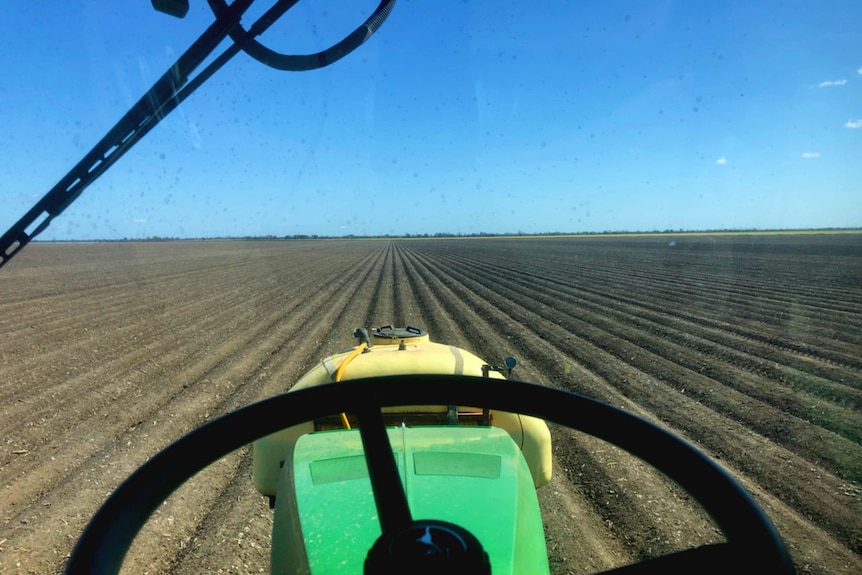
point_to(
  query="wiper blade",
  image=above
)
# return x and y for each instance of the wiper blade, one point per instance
(140, 119)
(168, 92)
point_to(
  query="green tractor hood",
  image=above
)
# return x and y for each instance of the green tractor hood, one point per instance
(476, 477)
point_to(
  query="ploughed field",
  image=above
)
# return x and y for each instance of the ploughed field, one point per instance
(748, 346)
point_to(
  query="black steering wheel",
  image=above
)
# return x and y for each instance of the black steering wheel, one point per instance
(752, 545)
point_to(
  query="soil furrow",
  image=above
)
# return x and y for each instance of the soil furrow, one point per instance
(805, 492)
(180, 332)
(110, 379)
(701, 290)
(713, 303)
(719, 365)
(734, 339)
(653, 300)
(200, 401)
(238, 523)
(589, 460)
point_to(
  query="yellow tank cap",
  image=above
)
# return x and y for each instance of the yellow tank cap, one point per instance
(388, 335)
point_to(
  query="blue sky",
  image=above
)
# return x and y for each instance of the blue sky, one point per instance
(474, 117)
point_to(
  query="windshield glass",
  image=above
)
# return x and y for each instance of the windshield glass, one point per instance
(653, 204)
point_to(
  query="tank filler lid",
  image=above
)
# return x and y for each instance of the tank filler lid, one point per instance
(388, 334)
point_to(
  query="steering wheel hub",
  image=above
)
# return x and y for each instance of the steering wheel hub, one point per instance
(428, 547)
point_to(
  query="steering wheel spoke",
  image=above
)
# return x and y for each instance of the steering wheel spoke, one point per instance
(389, 495)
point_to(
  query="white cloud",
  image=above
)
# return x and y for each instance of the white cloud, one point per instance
(721, 161)
(859, 70)
(831, 83)
(854, 123)
(810, 154)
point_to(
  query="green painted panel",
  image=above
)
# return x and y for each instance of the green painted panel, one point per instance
(475, 477)
(456, 464)
(338, 469)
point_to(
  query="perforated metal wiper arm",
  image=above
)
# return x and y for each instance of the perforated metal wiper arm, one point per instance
(139, 120)
(167, 93)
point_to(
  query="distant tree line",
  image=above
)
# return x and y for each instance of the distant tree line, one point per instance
(271, 237)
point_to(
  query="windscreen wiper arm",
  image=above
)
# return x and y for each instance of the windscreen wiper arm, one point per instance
(168, 92)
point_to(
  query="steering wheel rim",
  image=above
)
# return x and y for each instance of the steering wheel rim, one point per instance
(753, 543)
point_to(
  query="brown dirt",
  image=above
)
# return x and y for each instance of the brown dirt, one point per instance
(747, 346)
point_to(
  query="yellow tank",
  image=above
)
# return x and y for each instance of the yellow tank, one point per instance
(396, 351)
